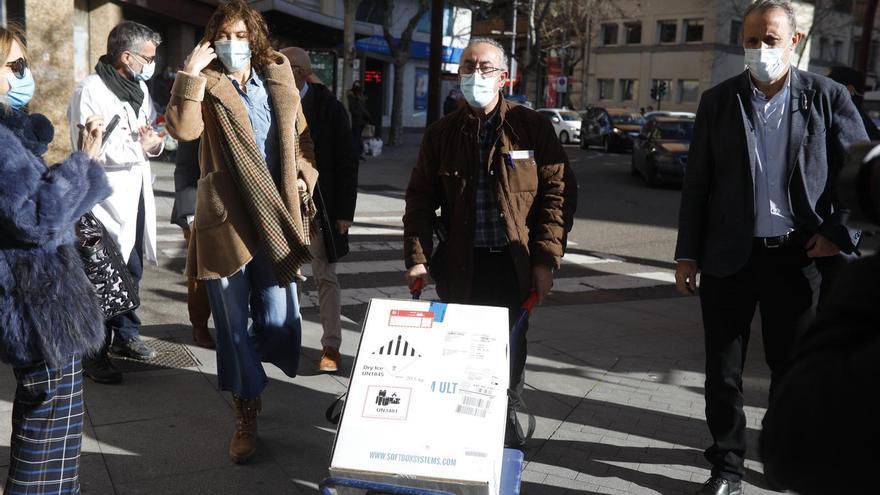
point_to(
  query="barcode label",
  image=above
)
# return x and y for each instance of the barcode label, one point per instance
(473, 406)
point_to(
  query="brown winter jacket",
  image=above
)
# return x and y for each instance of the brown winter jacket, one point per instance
(529, 195)
(224, 238)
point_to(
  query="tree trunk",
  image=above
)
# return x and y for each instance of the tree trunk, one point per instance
(351, 7)
(394, 137)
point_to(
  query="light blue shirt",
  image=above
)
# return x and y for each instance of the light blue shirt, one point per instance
(772, 120)
(260, 112)
(304, 90)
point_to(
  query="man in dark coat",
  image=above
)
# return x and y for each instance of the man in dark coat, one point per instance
(758, 214)
(496, 171)
(186, 178)
(336, 196)
(360, 116)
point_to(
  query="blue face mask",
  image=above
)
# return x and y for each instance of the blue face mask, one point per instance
(146, 72)
(234, 54)
(21, 91)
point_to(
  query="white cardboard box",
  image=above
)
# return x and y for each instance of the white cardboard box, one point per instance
(427, 400)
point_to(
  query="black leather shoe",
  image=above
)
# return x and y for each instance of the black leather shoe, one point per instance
(720, 486)
(101, 370)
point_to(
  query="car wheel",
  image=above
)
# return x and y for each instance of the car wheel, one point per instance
(563, 136)
(606, 144)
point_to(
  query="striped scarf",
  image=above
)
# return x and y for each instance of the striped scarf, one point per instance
(286, 246)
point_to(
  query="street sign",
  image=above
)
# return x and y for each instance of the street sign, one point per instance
(561, 84)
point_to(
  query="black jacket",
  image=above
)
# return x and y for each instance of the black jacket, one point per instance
(335, 159)
(186, 178)
(820, 432)
(717, 216)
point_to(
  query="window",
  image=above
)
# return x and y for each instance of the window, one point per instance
(629, 89)
(693, 30)
(656, 84)
(632, 31)
(872, 56)
(854, 54)
(667, 31)
(824, 48)
(736, 33)
(837, 51)
(609, 34)
(606, 89)
(372, 11)
(688, 91)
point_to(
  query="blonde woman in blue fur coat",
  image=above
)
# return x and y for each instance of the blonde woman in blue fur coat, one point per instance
(49, 314)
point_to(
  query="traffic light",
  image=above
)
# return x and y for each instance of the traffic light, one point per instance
(654, 93)
(661, 92)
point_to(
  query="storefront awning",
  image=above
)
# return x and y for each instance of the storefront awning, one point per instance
(417, 49)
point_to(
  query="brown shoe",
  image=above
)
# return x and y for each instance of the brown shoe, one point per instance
(329, 359)
(244, 441)
(202, 338)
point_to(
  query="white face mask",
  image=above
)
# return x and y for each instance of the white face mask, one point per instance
(765, 64)
(477, 90)
(233, 54)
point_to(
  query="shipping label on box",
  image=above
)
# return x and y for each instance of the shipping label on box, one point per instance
(427, 399)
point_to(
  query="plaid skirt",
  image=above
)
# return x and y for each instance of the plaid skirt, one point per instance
(47, 423)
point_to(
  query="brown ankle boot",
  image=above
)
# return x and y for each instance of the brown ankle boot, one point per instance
(244, 441)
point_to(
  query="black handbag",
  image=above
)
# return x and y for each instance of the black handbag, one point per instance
(105, 267)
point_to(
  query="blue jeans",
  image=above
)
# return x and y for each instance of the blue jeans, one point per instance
(127, 326)
(274, 336)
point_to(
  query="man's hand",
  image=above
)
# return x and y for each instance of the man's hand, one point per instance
(686, 277)
(820, 246)
(343, 225)
(150, 139)
(542, 281)
(199, 58)
(415, 272)
(91, 136)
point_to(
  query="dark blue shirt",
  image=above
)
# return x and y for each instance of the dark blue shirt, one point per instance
(260, 112)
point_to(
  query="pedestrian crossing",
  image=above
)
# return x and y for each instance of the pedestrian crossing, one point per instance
(374, 268)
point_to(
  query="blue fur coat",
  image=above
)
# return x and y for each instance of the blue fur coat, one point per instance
(48, 308)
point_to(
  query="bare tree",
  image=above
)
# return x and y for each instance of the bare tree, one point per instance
(570, 30)
(351, 7)
(399, 55)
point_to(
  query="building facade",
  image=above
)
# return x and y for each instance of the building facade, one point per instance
(66, 37)
(686, 46)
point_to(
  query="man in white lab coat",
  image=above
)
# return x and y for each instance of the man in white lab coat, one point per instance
(118, 89)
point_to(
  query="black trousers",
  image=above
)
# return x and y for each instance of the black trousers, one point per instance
(782, 282)
(495, 284)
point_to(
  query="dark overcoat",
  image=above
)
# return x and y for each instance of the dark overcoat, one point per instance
(335, 159)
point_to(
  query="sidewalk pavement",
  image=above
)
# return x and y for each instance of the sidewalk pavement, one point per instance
(616, 388)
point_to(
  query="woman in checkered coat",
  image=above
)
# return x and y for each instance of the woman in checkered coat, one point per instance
(49, 314)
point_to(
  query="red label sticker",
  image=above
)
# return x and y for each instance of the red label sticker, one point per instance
(411, 319)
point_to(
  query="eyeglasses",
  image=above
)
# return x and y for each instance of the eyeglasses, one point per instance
(485, 70)
(148, 60)
(18, 67)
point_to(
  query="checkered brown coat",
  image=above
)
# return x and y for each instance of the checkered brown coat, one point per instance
(239, 209)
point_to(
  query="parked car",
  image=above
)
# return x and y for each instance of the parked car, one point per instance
(665, 113)
(611, 128)
(660, 151)
(566, 123)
